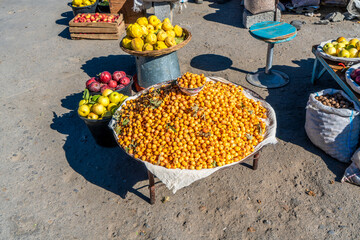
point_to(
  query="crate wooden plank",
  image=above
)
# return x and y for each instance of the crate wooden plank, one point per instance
(100, 36)
(125, 7)
(116, 5)
(97, 24)
(93, 30)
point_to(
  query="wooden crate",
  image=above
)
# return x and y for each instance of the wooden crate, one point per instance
(125, 7)
(97, 30)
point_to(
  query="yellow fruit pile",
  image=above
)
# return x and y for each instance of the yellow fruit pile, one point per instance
(82, 3)
(343, 48)
(100, 106)
(218, 126)
(151, 34)
(191, 80)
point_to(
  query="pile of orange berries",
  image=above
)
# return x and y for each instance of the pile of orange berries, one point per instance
(218, 126)
(191, 80)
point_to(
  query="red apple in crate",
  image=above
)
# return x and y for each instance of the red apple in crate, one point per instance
(112, 84)
(95, 87)
(105, 77)
(355, 73)
(90, 81)
(104, 87)
(125, 81)
(118, 75)
(120, 86)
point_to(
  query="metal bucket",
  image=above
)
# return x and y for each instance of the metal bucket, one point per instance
(153, 70)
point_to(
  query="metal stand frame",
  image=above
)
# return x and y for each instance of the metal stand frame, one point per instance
(152, 181)
(268, 78)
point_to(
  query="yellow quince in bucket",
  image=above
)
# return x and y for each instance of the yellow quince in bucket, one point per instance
(166, 20)
(170, 41)
(137, 44)
(170, 33)
(151, 38)
(161, 35)
(142, 21)
(148, 47)
(126, 42)
(160, 45)
(178, 31)
(167, 26)
(153, 20)
(136, 31)
(158, 27)
(145, 30)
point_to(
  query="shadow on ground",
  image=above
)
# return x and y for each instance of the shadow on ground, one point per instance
(109, 168)
(66, 18)
(111, 64)
(289, 102)
(229, 13)
(213, 63)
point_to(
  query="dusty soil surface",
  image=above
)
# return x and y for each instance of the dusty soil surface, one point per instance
(56, 183)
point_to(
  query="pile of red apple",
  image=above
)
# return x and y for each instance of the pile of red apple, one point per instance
(116, 81)
(97, 17)
(355, 75)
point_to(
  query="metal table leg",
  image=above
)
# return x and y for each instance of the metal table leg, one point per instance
(256, 160)
(313, 76)
(151, 187)
(268, 78)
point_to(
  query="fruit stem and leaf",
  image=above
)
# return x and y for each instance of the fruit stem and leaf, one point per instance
(159, 158)
(249, 137)
(171, 127)
(155, 103)
(118, 130)
(260, 129)
(180, 39)
(195, 110)
(86, 94)
(214, 163)
(125, 121)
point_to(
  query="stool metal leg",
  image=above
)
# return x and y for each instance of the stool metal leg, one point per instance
(269, 58)
(268, 78)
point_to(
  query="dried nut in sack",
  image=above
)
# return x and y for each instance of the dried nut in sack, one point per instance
(336, 101)
(165, 127)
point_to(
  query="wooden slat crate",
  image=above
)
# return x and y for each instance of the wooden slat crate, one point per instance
(97, 30)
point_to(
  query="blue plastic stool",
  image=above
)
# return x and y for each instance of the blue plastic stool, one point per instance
(271, 32)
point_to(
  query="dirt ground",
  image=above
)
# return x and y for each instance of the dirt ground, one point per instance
(56, 183)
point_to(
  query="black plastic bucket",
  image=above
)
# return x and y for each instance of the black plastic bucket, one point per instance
(101, 132)
(103, 9)
(86, 9)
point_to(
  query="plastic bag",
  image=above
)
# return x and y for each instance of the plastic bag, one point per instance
(303, 3)
(354, 7)
(352, 173)
(334, 130)
(175, 179)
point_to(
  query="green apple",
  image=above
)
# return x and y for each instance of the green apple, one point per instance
(82, 102)
(111, 106)
(115, 97)
(98, 109)
(353, 52)
(92, 116)
(344, 53)
(83, 110)
(103, 101)
(331, 51)
(326, 46)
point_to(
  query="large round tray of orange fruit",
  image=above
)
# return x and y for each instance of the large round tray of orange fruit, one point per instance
(220, 126)
(340, 50)
(149, 37)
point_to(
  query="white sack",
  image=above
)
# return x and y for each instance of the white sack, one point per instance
(334, 130)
